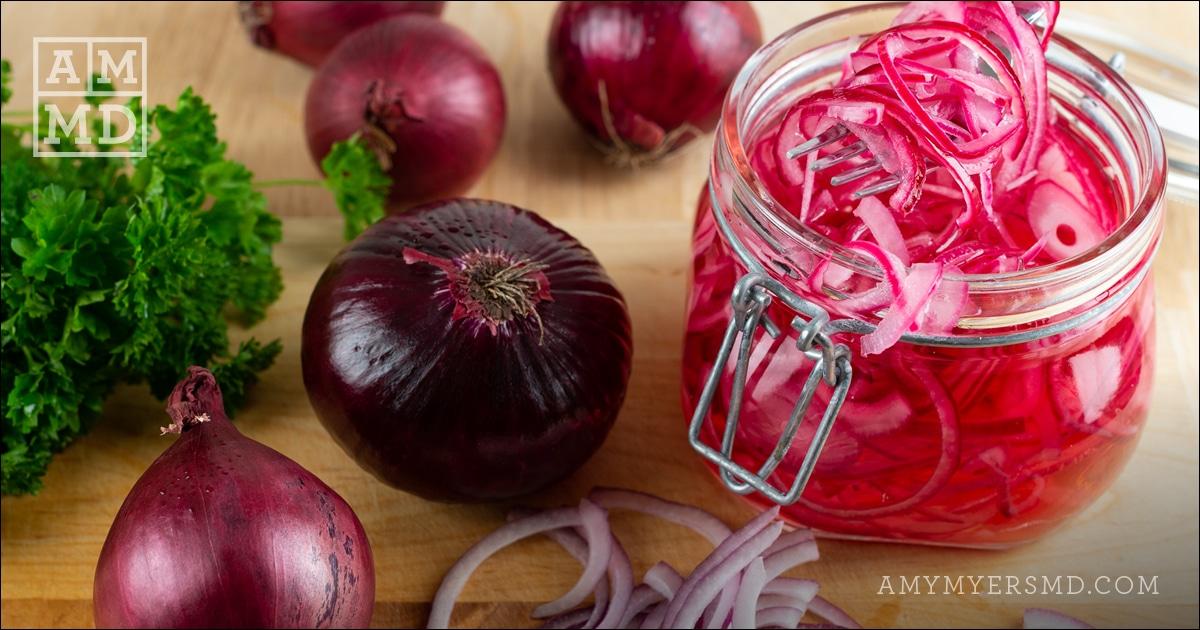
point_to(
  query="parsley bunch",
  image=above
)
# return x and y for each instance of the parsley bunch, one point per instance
(119, 270)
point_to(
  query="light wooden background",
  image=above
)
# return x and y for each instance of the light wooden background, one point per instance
(638, 225)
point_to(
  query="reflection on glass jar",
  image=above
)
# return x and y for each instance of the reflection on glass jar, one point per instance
(989, 436)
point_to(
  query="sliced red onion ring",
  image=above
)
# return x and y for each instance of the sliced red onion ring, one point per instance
(655, 618)
(574, 619)
(781, 617)
(790, 557)
(642, 598)
(796, 588)
(574, 544)
(1046, 619)
(708, 585)
(882, 224)
(726, 548)
(916, 291)
(688, 516)
(594, 520)
(753, 581)
(825, 609)
(767, 600)
(947, 304)
(1068, 225)
(663, 579)
(620, 575)
(456, 578)
(948, 459)
(737, 585)
(717, 613)
(791, 538)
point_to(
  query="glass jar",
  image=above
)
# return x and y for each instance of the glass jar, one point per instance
(988, 436)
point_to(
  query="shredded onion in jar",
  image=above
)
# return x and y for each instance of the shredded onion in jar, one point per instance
(952, 102)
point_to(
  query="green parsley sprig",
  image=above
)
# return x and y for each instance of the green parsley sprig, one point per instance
(117, 270)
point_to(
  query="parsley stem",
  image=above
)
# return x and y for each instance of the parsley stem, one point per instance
(276, 183)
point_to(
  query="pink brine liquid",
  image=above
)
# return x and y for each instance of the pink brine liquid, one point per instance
(984, 447)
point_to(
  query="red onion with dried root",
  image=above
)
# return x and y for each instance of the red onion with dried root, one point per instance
(645, 78)
(224, 532)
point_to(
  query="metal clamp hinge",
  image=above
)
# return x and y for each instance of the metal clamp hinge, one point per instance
(753, 293)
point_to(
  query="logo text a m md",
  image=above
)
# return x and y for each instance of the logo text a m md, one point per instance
(81, 88)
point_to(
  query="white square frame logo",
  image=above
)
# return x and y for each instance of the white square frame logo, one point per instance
(92, 45)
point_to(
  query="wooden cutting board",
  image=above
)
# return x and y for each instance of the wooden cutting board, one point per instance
(638, 225)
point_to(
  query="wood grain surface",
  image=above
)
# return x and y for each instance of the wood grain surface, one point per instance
(638, 225)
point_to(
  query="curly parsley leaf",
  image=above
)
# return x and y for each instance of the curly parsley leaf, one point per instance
(237, 373)
(121, 270)
(359, 185)
(5, 79)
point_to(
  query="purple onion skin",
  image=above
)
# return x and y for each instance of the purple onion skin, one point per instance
(307, 31)
(224, 532)
(664, 66)
(432, 400)
(422, 93)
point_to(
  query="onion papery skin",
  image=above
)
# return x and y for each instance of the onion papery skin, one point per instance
(224, 532)
(663, 68)
(422, 94)
(307, 31)
(434, 399)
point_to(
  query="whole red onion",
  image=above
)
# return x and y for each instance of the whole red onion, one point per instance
(223, 532)
(644, 78)
(466, 350)
(306, 31)
(422, 94)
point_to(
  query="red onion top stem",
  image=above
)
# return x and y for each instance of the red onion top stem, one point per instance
(467, 350)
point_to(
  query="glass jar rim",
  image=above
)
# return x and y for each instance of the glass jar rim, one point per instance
(1143, 215)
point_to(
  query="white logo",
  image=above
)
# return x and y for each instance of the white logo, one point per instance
(69, 75)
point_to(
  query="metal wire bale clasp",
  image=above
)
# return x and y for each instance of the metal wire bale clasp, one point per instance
(752, 295)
